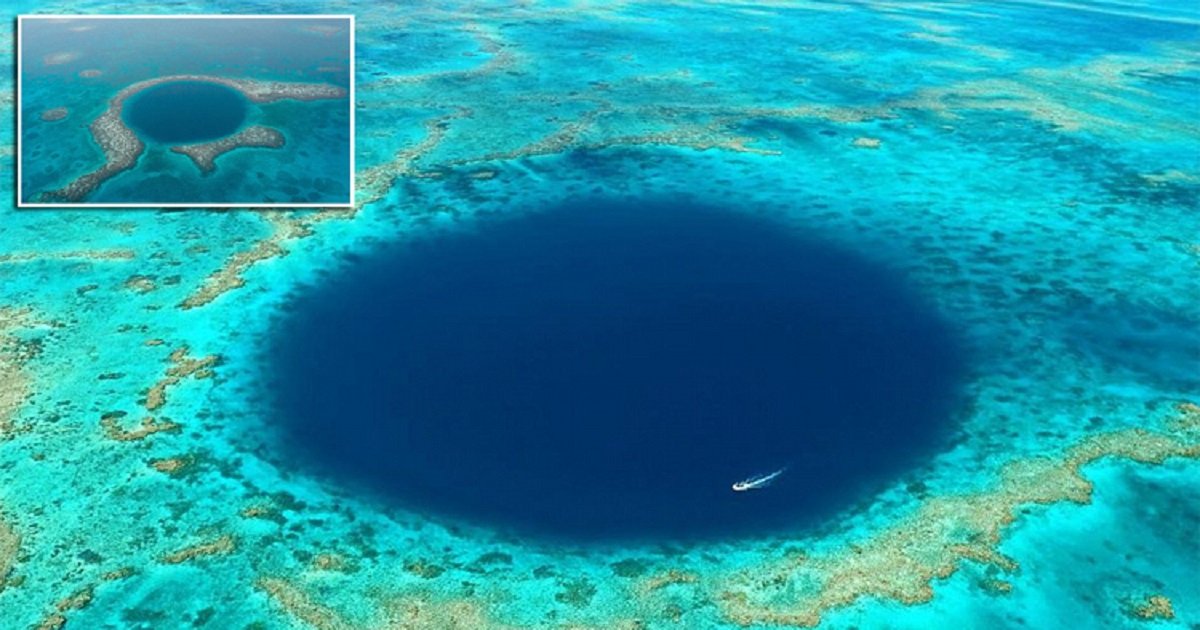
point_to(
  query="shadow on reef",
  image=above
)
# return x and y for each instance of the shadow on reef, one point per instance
(1145, 339)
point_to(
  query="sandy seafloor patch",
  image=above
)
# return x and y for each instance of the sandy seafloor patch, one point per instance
(1036, 175)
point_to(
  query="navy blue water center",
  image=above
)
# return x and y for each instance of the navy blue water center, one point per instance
(607, 370)
(185, 111)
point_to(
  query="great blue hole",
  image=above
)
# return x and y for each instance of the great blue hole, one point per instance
(185, 111)
(607, 370)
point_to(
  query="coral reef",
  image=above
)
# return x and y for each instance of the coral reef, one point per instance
(122, 147)
(205, 154)
(1033, 170)
(1151, 607)
(901, 562)
(10, 544)
(14, 382)
(182, 366)
(217, 547)
(51, 115)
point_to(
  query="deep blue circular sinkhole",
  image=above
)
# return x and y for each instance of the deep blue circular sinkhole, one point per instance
(185, 111)
(606, 371)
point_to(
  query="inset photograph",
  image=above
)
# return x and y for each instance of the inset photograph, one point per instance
(185, 111)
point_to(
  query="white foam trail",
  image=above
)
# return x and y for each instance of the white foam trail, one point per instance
(754, 483)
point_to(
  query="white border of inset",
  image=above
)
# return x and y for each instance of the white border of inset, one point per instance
(51, 16)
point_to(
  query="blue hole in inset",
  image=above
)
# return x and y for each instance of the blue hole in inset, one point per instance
(607, 370)
(185, 111)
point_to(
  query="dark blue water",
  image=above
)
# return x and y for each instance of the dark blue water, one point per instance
(185, 111)
(607, 370)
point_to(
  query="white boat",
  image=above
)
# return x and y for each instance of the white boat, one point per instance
(754, 483)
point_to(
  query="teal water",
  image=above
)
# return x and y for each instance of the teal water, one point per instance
(1029, 170)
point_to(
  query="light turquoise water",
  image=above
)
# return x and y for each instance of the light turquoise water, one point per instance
(1033, 168)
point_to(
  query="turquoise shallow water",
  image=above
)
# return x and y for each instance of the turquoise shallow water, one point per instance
(1032, 169)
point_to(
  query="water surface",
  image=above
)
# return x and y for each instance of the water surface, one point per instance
(608, 370)
(185, 111)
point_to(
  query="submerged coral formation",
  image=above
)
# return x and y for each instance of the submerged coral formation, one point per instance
(901, 563)
(14, 353)
(1029, 167)
(1151, 608)
(9, 545)
(284, 228)
(51, 115)
(182, 366)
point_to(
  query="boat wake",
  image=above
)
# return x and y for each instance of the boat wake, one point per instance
(757, 482)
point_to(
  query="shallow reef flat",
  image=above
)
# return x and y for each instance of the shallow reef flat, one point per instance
(205, 154)
(1032, 169)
